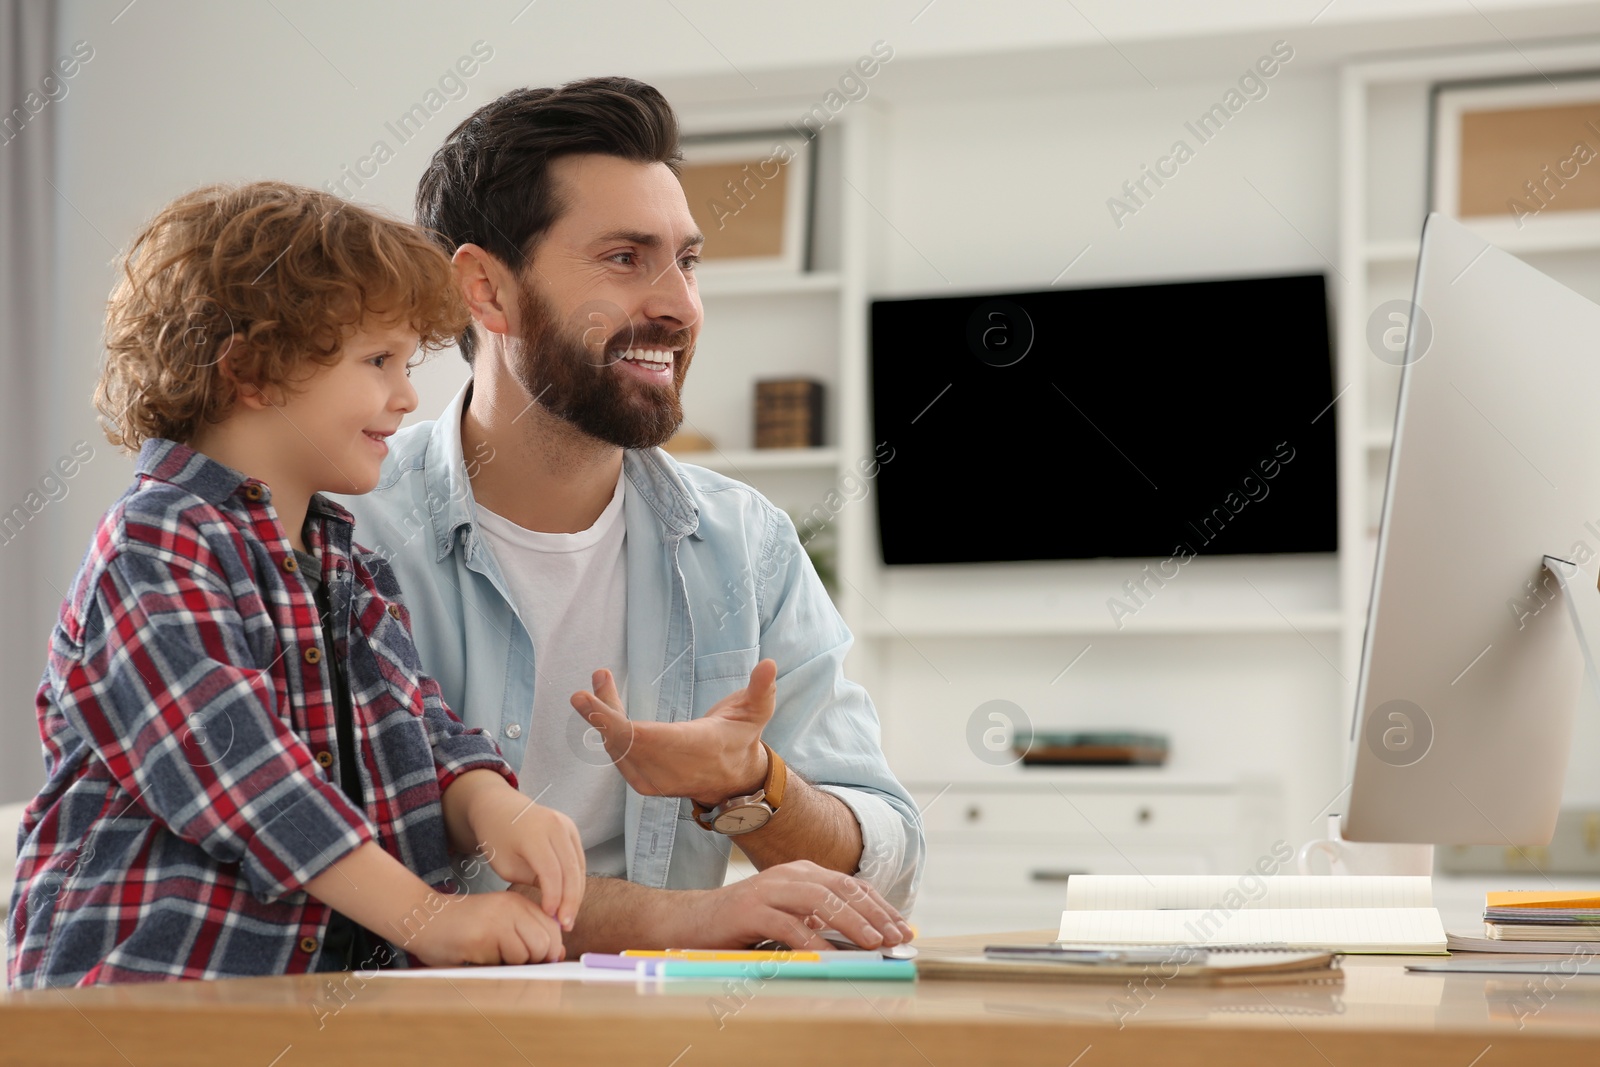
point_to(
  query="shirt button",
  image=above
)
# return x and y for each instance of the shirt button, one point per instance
(313, 655)
(290, 563)
(394, 610)
(325, 759)
(308, 944)
(252, 492)
(514, 731)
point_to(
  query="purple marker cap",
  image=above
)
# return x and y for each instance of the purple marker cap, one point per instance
(610, 962)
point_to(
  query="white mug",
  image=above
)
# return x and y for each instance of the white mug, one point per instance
(1364, 857)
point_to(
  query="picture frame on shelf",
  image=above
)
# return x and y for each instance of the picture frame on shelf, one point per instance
(751, 194)
(1518, 160)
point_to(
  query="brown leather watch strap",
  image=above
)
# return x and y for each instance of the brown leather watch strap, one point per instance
(777, 777)
(771, 792)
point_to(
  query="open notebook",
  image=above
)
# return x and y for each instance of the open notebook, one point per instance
(1339, 913)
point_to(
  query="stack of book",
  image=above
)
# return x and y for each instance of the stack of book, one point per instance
(1541, 916)
(1096, 748)
(789, 413)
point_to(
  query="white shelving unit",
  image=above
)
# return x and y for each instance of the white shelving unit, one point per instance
(740, 460)
(767, 324)
(1238, 651)
(960, 629)
(1001, 854)
(1384, 148)
(728, 285)
(1198, 626)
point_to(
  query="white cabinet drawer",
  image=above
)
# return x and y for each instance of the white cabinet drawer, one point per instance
(1043, 867)
(940, 915)
(1122, 817)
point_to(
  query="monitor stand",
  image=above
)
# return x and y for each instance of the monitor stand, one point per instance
(1583, 606)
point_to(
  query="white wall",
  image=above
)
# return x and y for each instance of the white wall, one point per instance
(1007, 191)
(998, 169)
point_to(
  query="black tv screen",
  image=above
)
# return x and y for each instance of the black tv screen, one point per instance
(1132, 421)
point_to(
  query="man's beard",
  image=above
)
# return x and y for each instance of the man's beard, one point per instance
(580, 386)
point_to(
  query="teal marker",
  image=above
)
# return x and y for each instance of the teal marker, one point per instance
(865, 970)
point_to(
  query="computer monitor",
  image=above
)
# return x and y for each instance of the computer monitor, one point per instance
(1473, 661)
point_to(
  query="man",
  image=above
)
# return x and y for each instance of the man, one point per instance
(570, 583)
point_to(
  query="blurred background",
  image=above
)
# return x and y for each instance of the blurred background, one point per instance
(994, 148)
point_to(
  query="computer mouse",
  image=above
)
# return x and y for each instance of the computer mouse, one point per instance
(902, 951)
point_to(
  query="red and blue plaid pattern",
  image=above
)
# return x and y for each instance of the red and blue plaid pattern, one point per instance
(188, 720)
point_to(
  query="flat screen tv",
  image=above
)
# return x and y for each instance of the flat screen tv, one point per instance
(1187, 418)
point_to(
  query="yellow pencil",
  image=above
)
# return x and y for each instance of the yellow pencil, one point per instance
(724, 955)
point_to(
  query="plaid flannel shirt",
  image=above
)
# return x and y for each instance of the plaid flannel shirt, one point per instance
(188, 721)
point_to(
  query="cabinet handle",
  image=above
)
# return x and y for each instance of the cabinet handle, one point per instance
(1052, 876)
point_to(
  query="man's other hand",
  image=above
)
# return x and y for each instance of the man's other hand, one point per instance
(790, 903)
(708, 759)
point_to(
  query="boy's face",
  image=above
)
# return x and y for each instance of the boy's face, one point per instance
(338, 419)
(609, 311)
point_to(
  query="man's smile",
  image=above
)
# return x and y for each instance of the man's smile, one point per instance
(648, 364)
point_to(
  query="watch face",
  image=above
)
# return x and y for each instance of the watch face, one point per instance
(742, 820)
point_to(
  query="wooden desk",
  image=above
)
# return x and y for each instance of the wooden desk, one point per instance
(1380, 1015)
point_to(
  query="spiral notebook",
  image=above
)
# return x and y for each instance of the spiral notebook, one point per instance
(1335, 913)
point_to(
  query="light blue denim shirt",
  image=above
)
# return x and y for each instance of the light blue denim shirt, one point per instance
(717, 580)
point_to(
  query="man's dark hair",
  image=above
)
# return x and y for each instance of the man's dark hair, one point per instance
(489, 183)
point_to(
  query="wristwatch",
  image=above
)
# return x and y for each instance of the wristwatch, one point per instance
(741, 815)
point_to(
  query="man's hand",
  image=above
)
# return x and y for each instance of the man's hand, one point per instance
(720, 755)
(708, 759)
(789, 903)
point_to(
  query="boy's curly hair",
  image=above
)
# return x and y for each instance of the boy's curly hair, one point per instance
(269, 277)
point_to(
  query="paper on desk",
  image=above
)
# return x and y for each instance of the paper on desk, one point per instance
(1117, 892)
(566, 971)
(1559, 968)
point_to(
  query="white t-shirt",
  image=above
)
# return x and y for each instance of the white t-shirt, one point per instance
(571, 592)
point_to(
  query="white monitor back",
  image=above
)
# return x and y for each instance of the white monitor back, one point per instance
(1471, 669)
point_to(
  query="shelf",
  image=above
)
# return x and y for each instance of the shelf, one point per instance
(1552, 244)
(967, 626)
(1119, 779)
(759, 284)
(1391, 251)
(1545, 238)
(735, 461)
(1552, 235)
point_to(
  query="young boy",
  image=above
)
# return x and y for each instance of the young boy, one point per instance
(247, 771)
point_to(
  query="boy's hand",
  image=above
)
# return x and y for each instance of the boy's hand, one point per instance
(488, 928)
(532, 845)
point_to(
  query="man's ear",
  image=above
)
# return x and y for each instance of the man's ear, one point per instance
(488, 288)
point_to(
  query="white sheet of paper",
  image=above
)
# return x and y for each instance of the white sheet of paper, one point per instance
(566, 971)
